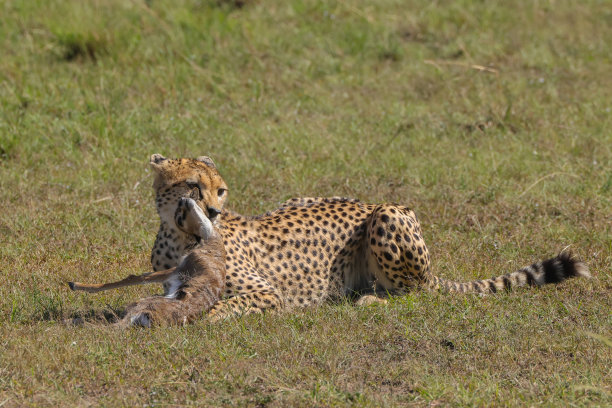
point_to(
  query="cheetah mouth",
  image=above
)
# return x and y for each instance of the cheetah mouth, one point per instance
(211, 213)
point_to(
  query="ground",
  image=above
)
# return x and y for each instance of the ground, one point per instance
(491, 120)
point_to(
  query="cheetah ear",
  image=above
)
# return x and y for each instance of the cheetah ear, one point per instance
(157, 161)
(207, 160)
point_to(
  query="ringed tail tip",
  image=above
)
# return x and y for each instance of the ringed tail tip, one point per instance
(573, 266)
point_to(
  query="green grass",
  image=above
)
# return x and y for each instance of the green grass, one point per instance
(384, 101)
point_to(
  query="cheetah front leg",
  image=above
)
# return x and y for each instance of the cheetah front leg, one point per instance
(252, 294)
(248, 303)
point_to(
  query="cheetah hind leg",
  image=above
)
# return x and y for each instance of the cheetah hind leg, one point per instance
(398, 258)
(401, 260)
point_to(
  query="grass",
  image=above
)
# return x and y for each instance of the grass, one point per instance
(491, 119)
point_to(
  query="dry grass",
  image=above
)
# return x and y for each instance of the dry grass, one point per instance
(491, 120)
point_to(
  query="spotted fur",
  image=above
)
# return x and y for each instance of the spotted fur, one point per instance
(310, 250)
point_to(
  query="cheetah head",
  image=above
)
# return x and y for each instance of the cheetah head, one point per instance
(196, 178)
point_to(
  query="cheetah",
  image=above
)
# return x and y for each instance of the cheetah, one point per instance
(310, 250)
(191, 288)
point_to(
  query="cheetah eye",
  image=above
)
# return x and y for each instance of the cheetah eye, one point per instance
(221, 191)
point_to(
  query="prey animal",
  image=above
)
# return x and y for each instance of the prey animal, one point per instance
(191, 288)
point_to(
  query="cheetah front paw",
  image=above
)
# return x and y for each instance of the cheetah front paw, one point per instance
(367, 300)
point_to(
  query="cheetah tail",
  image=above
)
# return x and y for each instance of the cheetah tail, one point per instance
(554, 270)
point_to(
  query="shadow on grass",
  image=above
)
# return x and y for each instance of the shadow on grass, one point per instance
(38, 306)
(105, 316)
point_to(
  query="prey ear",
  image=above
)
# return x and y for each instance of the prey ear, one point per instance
(207, 160)
(157, 161)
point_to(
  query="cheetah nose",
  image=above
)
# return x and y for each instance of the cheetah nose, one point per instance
(213, 212)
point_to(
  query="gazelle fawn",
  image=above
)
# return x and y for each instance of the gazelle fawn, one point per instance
(191, 288)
